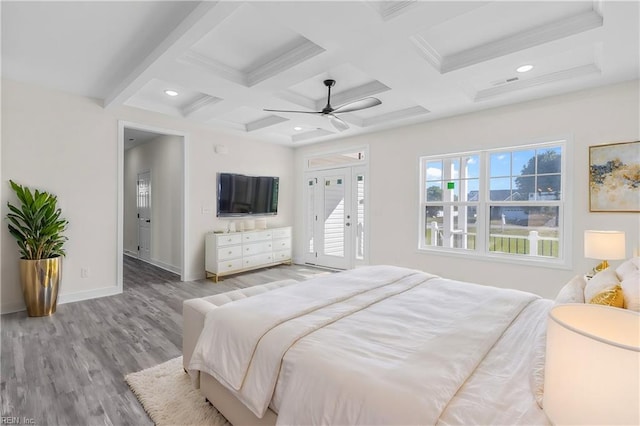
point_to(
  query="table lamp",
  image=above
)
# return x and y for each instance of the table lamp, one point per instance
(592, 370)
(604, 246)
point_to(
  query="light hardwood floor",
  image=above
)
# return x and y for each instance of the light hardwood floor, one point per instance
(69, 368)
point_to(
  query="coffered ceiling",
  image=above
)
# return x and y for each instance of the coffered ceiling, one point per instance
(230, 60)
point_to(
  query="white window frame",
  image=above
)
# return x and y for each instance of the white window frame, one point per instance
(484, 204)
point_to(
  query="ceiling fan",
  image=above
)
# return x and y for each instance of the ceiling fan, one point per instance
(330, 112)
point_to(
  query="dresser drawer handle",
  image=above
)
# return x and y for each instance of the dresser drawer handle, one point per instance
(229, 265)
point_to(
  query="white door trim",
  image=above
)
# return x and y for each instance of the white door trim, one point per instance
(357, 166)
(120, 202)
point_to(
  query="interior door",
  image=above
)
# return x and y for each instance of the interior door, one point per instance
(330, 225)
(144, 215)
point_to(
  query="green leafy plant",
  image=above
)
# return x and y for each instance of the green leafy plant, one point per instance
(37, 225)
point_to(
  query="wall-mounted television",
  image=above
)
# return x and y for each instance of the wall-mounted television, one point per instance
(242, 195)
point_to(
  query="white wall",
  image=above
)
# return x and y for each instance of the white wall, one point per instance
(162, 156)
(67, 144)
(591, 117)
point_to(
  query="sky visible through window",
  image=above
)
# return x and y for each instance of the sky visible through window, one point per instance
(504, 167)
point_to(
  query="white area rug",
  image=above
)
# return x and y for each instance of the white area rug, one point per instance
(167, 395)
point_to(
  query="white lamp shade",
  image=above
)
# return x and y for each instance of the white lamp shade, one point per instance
(592, 369)
(604, 245)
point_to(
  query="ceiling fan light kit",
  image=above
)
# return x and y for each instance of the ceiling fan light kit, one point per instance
(330, 112)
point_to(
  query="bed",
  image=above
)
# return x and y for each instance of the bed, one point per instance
(375, 345)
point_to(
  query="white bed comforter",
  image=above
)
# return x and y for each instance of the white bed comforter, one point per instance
(376, 345)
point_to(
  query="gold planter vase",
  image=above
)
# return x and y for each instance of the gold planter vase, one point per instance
(40, 281)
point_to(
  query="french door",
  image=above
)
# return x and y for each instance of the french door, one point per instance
(335, 217)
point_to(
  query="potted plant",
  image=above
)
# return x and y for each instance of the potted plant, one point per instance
(37, 227)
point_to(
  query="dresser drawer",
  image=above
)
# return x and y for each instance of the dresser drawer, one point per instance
(282, 244)
(229, 252)
(257, 260)
(228, 239)
(281, 255)
(257, 236)
(229, 265)
(257, 248)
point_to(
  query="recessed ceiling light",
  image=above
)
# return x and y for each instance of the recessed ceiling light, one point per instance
(297, 128)
(524, 68)
(171, 92)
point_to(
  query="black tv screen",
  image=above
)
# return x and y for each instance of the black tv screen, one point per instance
(241, 195)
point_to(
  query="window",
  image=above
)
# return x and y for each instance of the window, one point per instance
(506, 202)
(337, 159)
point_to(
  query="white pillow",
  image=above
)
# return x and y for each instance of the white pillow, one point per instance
(627, 267)
(573, 291)
(601, 281)
(631, 291)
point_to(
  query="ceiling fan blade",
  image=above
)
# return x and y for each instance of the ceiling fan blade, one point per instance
(300, 112)
(338, 123)
(358, 105)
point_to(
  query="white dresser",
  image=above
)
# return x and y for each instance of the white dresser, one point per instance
(230, 253)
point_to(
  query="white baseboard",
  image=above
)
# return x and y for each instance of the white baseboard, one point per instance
(166, 266)
(196, 277)
(90, 294)
(12, 307)
(154, 262)
(66, 298)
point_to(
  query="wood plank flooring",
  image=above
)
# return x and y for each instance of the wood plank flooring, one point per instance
(68, 369)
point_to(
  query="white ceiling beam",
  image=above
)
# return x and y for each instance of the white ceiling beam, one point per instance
(206, 16)
(554, 77)
(198, 104)
(542, 34)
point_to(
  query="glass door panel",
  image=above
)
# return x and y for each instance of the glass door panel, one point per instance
(310, 217)
(359, 222)
(334, 216)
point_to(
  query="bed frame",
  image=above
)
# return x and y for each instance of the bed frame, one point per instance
(194, 312)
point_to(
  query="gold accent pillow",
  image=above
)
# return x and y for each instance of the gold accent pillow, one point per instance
(611, 296)
(599, 283)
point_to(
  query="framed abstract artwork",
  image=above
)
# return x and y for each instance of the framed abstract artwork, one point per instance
(614, 177)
